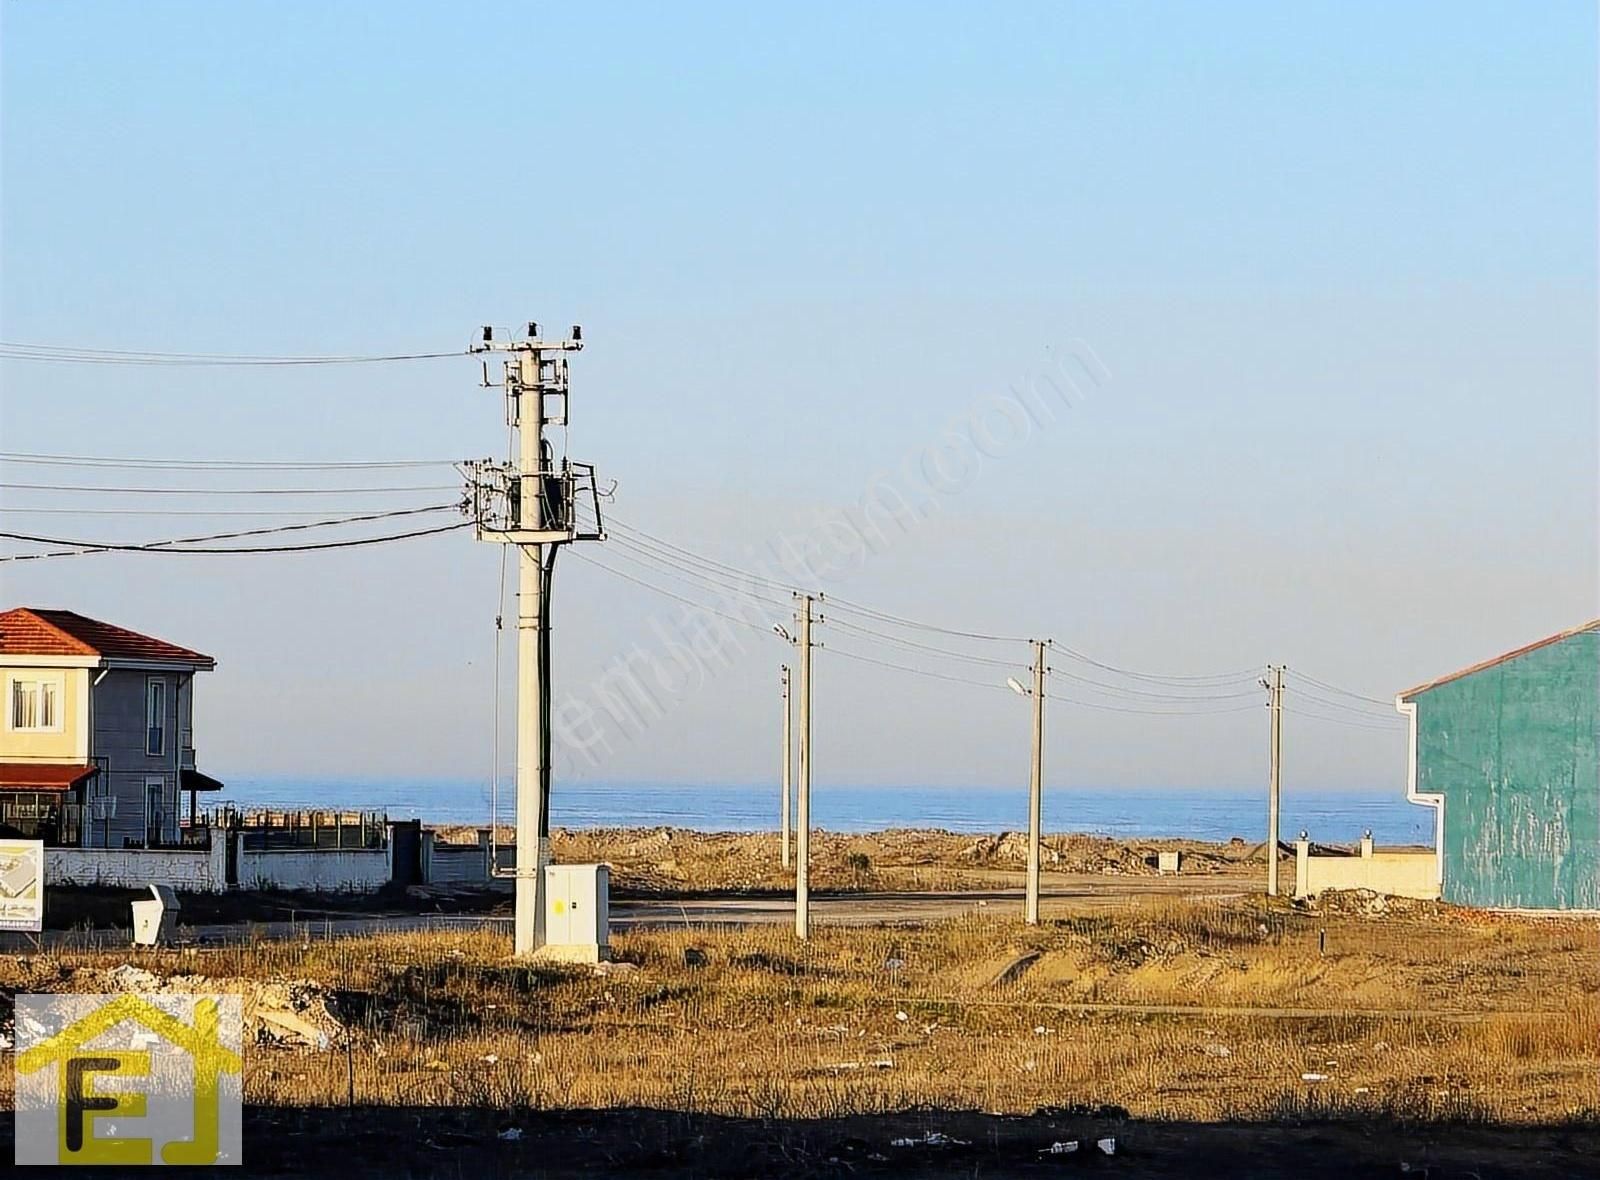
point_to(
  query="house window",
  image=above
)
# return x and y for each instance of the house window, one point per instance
(35, 704)
(155, 741)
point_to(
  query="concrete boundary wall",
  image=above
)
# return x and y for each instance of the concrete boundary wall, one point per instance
(204, 870)
(455, 864)
(1396, 872)
(195, 870)
(321, 870)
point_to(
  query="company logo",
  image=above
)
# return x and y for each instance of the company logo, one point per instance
(127, 1079)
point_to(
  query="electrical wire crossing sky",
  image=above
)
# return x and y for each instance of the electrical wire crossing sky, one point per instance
(1193, 343)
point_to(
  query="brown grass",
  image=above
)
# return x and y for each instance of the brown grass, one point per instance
(1419, 1018)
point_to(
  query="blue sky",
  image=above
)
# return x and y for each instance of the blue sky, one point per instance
(1338, 262)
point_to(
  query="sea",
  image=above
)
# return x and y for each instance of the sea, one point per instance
(1335, 817)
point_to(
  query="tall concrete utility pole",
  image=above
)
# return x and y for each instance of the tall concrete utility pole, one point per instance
(532, 503)
(1030, 913)
(802, 869)
(788, 760)
(1274, 689)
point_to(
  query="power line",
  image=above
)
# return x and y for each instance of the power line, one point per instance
(865, 659)
(837, 605)
(62, 354)
(851, 655)
(1364, 712)
(885, 617)
(655, 558)
(1211, 678)
(668, 593)
(1349, 722)
(929, 673)
(80, 548)
(692, 577)
(647, 540)
(149, 491)
(684, 574)
(687, 575)
(1196, 694)
(7, 510)
(1323, 684)
(103, 547)
(96, 461)
(913, 645)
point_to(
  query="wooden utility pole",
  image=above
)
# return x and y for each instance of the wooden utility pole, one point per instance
(1030, 913)
(788, 760)
(802, 866)
(1274, 689)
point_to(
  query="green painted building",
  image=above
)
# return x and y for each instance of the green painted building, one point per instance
(1508, 753)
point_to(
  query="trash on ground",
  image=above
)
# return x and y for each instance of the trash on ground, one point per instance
(931, 1139)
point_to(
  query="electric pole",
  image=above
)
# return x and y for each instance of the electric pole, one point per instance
(1030, 912)
(788, 760)
(802, 870)
(1274, 689)
(531, 502)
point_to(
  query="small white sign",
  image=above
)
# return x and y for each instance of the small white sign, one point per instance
(22, 885)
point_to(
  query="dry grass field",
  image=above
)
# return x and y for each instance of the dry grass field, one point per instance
(1173, 1010)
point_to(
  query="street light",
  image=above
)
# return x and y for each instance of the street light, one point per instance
(1017, 686)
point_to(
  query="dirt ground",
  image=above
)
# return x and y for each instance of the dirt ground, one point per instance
(675, 863)
(1202, 1036)
(662, 862)
(1201, 1027)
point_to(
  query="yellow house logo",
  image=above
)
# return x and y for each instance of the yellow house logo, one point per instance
(127, 1079)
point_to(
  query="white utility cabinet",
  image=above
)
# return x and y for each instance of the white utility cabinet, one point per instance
(577, 912)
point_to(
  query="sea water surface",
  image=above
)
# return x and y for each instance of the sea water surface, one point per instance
(1330, 816)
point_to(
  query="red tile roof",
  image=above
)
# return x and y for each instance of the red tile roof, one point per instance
(1591, 625)
(42, 776)
(29, 631)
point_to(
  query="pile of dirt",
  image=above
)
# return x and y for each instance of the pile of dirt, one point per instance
(667, 861)
(1367, 903)
(297, 1013)
(1084, 854)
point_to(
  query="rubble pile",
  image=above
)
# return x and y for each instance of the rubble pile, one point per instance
(296, 1013)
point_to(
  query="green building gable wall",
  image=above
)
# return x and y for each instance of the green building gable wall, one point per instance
(1515, 750)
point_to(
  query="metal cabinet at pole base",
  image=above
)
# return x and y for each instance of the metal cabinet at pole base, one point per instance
(577, 917)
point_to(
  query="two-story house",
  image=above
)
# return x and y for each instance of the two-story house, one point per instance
(97, 744)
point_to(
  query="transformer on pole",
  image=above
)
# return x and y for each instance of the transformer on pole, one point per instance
(532, 501)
